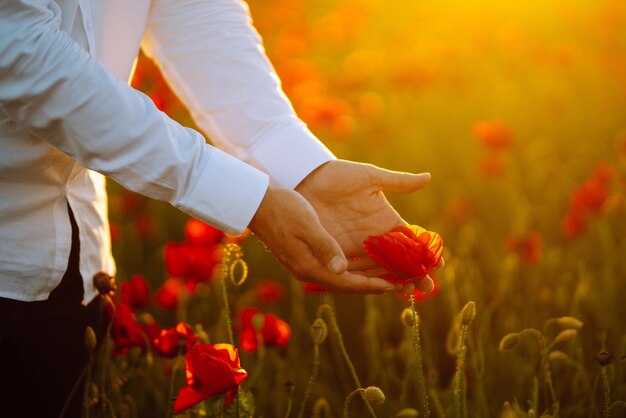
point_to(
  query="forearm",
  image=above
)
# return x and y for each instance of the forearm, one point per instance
(215, 61)
(55, 90)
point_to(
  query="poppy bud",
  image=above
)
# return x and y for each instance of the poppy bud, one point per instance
(510, 341)
(201, 333)
(90, 339)
(104, 283)
(604, 358)
(565, 336)
(374, 395)
(558, 355)
(407, 317)
(321, 408)
(258, 320)
(290, 386)
(468, 313)
(407, 413)
(569, 322)
(319, 331)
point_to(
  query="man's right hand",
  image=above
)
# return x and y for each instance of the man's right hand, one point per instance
(290, 228)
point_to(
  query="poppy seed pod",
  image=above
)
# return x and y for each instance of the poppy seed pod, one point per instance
(569, 322)
(565, 336)
(510, 341)
(604, 358)
(90, 339)
(104, 283)
(407, 317)
(468, 313)
(319, 331)
(374, 395)
(290, 386)
(407, 413)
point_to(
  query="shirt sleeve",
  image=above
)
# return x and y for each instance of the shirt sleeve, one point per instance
(214, 59)
(53, 88)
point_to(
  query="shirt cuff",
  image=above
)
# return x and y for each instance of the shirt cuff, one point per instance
(290, 154)
(227, 194)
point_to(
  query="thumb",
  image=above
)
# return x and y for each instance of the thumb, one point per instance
(326, 249)
(397, 181)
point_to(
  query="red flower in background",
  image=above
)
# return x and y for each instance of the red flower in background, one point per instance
(269, 291)
(149, 326)
(168, 294)
(274, 331)
(199, 233)
(210, 370)
(587, 200)
(529, 247)
(191, 262)
(491, 165)
(125, 331)
(408, 252)
(493, 134)
(135, 292)
(170, 341)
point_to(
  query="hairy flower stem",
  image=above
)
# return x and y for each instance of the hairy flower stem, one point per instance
(459, 377)
(169, 410)
(312, 380)
(289, 405)
(335, 327)
(106, 355)
(229, 329)
(418, 360)
(607, 392)
(87, 386)
(73, 391)
(346, 404)
(545, 372)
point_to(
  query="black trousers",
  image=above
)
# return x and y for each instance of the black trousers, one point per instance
(42, 350)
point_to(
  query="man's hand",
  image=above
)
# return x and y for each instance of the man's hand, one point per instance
(348, 198)
(291, 229)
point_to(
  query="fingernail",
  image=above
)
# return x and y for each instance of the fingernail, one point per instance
(338, 264)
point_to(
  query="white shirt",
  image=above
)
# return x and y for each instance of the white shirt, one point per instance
(66, 109)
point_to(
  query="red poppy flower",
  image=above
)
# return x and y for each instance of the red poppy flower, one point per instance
(199, 233)
(491, 166)
(493, 134)
(171, 340)
(168, 294)
(408, 252)
(125, 331)
(269, 291)
(274, 331)
(210, 370)
(191, 262)
(135, 292)
(527, 247)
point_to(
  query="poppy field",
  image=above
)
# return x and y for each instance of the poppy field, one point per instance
(518, 109)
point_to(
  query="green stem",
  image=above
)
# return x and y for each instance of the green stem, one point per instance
(87, 384)
(606, 388)
(333, 324)
(289, 405)
(73, 391)
(545, 372)
(172, 380)
(312, 380)
(459, 375)
(418, 359)
(346, 404)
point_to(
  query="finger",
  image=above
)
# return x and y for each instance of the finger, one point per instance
(361, 264)
(426, 284)
(407, 288)
(441, 263)
(349, 282)
(377, 272)
(396, 181)
(325, 248)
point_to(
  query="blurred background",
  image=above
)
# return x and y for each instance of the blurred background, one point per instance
(518, 109)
